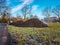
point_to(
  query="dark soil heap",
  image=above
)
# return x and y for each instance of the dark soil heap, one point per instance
(34, 22)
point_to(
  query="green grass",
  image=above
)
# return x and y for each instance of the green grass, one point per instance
(53, 29)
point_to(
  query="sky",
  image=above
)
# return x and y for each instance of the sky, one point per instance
(37, 5)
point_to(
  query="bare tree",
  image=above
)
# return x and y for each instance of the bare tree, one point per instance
(5, 14)
(2, 6)
(4, 10)
(31, 16)
(47, 12)
(26, 11)
(56, 11)
(30, 10)
(35, 16)
(5, 17)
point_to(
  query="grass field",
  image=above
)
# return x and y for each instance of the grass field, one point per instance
(52, 31)
(51, 27)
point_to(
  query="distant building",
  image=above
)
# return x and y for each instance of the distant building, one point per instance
(50, 19)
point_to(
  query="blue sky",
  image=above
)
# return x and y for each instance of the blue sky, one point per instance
(38, 6)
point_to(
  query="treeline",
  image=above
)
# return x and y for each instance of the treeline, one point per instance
(53, 12)
(48, 12)
(33, 21)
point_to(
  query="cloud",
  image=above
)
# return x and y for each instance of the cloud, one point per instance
(20, 6)
(35, 7)
(8, 2)
(37, 11)
(22, 0)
